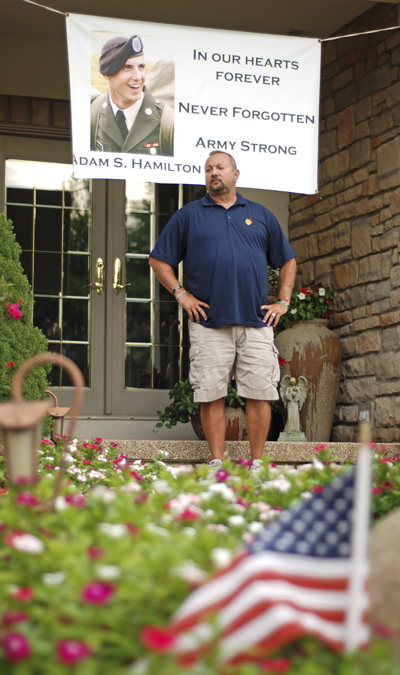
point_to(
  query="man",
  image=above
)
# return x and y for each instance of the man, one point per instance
(226, 242)
(128, 118)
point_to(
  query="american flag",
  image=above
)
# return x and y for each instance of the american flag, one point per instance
(294, 579)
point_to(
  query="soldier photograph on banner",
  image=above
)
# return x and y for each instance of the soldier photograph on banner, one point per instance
(132, 97)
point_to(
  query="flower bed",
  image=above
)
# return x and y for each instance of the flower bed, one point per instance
(90, 587)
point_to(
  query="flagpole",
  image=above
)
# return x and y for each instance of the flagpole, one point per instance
(359, 546)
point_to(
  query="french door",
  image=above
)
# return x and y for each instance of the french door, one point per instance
(85, 249)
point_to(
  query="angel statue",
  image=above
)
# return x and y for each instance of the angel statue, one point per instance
(293, 396)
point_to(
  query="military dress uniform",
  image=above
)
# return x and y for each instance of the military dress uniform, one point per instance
(151, 133)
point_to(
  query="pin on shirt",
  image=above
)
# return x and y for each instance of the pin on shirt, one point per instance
(153, 147)
(248, 221)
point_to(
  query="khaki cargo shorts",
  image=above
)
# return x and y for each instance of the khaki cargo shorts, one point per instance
(246, 351)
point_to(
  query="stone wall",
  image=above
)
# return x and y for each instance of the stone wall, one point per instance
(348, 236)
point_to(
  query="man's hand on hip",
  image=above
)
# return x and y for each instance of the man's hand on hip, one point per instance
(273, 313)
(193, 307)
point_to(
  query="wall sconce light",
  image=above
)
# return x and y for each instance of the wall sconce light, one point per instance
(57, 414)
(21, 420)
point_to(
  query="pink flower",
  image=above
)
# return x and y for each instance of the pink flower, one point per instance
(136, 475)
(385, 460)
(70, 652)
(75, 500)
(48, 466)
(319, 448)
(114, 445)
(376, 491)
(95, 552)
(158, 639)
(14, 616)
(22, 593)
(27, 499)
(98, 440)
(279, 665)
(221, 475)
(15, 312)
(16, 647)
(93, 446)
(97, 592)
(244, 462)
(9, 364)
(85, 445)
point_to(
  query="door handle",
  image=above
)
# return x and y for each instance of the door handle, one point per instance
(99, 283)
(117, 276)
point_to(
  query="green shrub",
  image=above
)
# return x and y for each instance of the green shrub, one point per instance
(19, 339)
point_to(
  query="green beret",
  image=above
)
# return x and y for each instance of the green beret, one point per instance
(117, 51)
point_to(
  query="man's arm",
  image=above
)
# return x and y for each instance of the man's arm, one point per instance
(166, 277)
(287, 276)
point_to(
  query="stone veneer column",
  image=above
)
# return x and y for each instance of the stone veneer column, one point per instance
(348, 237)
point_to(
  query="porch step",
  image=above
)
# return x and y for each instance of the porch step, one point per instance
(197, 452)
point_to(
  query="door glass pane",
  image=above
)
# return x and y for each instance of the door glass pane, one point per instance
(50, 210)
(156, 339)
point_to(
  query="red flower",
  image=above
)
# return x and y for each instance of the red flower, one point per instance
(308, 292)
(93, 446)
(98, 440)
(388, 485)
(376, 491)
(187, 514)
(134, 531)
(279, 665)
(319, 448)
(9, 364)
(16, 647)
(303, 290)
(27, 499)
(23, 593)
(15, 312)
(158, 639)
(14, 616)
(281, 361)
(317, 488)
(97, 592)
(70, 652)
(95, 552)
(136, 475)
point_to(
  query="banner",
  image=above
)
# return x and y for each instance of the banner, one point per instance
(187, 91)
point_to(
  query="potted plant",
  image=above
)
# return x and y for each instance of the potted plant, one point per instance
(183, 409)
(312, 350)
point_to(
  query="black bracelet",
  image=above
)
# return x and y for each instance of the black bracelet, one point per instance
(283, 302)
(176, 289)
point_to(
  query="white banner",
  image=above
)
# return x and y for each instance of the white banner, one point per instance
(254, 96)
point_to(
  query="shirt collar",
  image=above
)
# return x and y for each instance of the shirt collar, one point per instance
(130, 113)
(209, 201)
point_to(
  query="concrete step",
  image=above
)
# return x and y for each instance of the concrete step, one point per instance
(198, 452)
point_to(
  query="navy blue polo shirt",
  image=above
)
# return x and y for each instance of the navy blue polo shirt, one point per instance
(225, 254)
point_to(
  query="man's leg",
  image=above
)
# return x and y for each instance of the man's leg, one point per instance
(258, 418)
(213, 420)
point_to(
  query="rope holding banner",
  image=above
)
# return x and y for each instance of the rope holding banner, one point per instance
(44, 7)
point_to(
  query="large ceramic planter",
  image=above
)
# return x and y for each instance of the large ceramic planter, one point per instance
(311, 349)
(236, 429)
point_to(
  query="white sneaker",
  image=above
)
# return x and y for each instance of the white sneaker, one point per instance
(255, 470)
(214, 466)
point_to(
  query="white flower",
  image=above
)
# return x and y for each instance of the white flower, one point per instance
(301, 296)
(183, 501)
(154, 529)
(103, 493)
(53, 578)
(139, 667)
(238, 507)
(180, 470)
(280, 484)
(304, 467)
(248, 537)
(293, 311)
(27, 543)
(217, 527)
(221, 556)
(306, 495)
(190, 572)
(236, 521)
(209, 513)
(166, 518)
(222, 489)
(50, 459)
(101, 458)
(82, 478)
(162, 487)
(263, 507)
(255, 527)
(60, 504)
(321, 291)
(190, 531)
(269, 515)
(132, 486)
(108, 571)
(317, 465)
(164, 453)
(113, 530)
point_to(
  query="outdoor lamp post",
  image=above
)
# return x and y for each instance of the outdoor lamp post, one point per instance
(20, 421)
(57, 414)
